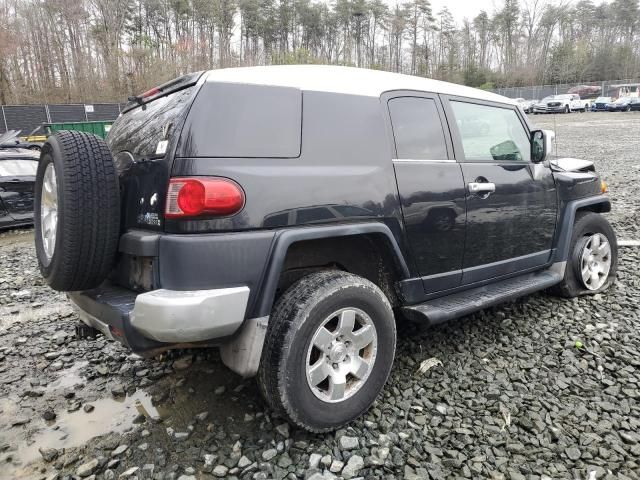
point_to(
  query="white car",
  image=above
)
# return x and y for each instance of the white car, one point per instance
(566, 103)
(526, 105)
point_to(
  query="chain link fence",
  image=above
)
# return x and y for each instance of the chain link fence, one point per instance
(28, 118)
(607, 88)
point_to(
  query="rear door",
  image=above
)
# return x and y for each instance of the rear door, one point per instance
(141, 141)
(431, 188)
(511, 202)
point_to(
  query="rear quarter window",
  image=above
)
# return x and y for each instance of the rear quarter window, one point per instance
(240, 120)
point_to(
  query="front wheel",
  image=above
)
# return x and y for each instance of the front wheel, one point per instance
(329, 349)
(566, 109)
(593, 261)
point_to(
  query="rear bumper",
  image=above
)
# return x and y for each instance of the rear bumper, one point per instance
(161, 318)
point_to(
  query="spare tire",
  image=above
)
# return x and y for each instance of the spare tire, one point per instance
(77, 211)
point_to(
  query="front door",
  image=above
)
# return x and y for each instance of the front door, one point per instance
(431, 188)
(511, 202)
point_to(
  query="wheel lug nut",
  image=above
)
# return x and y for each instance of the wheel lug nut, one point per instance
(335, 365)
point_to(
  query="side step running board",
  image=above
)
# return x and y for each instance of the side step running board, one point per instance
(462, 303)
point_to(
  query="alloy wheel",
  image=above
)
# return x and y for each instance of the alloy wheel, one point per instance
(341, 355)
(595, 261)
(49, 211)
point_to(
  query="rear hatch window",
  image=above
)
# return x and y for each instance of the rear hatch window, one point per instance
(140, 129)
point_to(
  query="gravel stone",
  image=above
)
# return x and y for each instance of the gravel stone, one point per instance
(349, 443)
(269, 454)
(353, 466)
(119, 450)
(88, 468)
(220, 471)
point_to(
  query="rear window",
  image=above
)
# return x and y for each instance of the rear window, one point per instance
(18, 168)
(141, 129)
(239, 120)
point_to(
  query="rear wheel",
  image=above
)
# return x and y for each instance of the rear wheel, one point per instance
(566, 109)
(593, 262)
(329, 350)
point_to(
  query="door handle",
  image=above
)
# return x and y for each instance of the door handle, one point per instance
(481, 187)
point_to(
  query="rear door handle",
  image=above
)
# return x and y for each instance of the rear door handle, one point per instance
(484, 187)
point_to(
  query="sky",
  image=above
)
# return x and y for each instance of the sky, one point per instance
(463, 8)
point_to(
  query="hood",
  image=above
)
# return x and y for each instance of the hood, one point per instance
(572, 165)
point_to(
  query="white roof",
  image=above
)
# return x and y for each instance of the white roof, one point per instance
(347, 80)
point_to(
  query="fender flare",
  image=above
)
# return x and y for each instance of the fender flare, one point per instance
(599, 203)
(285, 238)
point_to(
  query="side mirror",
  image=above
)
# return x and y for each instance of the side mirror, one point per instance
(541, 145)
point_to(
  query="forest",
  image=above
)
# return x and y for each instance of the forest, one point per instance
(106, 50)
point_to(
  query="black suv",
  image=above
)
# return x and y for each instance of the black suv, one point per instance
(283, 213)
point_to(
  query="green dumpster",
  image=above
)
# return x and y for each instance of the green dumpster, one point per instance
(99, 128)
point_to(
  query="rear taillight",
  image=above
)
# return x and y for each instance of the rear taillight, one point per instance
(191, 197)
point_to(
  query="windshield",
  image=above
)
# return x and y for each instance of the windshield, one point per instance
(603, 99)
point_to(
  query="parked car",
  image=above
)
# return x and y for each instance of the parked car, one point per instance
(17, 176)
(287, 235)
(11, 140)
(600, 104)
(586, 91)
(561, 104)
(526, 105)
(624, 104)
(626, 90)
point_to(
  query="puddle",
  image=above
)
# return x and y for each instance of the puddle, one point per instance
(69, 377)
(177, 399)
(74, 429)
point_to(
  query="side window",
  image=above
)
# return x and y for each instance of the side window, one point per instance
(491, 133)
(417, 129)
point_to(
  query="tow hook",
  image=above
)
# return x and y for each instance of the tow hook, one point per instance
(84, 332)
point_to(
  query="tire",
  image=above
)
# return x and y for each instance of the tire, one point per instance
(567, 109)
(296, 318)
(86, 217)
(585, 226)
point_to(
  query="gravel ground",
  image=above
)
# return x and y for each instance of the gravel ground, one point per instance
(509, 394)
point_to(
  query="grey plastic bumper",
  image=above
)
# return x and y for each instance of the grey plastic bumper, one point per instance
(189, 316)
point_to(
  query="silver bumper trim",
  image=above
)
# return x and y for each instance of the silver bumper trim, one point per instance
(189, 316)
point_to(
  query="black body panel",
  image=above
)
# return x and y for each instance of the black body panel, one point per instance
(433, 203)
(344, 173)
